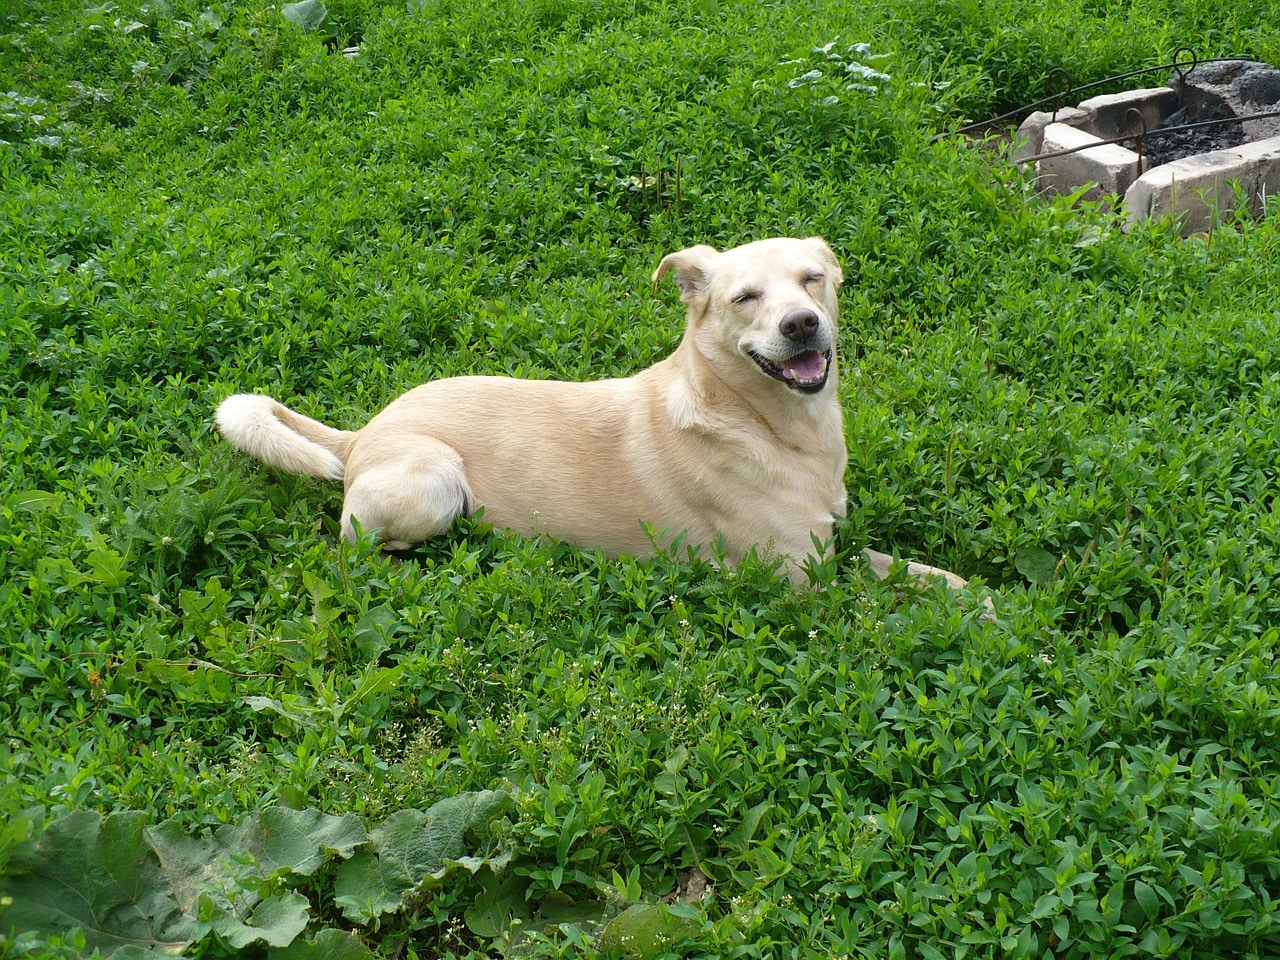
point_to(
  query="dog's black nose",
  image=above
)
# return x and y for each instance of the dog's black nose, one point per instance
(799, 325)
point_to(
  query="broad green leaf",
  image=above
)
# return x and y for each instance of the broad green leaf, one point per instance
(668, 784)
(189, 862)
(108, 566)
(1147, 899)
(1062, 927)
(373, 682)
(327, 944)
(276, 920)
(502, 902)
(645, 930)
(96, 873)
(17, 831)
(368, 886)
(745, 832)
(371, 633)
(219, 875)
(36, 500)
(503, 909)
(412, 847)
(274, 841)
(563, 911)
(310, 15)
(1036, 563)
(301, 840)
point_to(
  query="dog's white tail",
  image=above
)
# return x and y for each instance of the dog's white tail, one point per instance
(281, 438)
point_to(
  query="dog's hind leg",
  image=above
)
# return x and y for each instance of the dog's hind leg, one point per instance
(410, 498)
(881, 562)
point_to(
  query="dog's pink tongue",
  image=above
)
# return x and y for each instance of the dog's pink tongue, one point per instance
(809, 365)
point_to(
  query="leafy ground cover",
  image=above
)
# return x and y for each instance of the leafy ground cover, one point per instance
(227, 734)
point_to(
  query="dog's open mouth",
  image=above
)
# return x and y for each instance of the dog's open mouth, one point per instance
(806, 371)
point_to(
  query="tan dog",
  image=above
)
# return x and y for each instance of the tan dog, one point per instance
(736, 438)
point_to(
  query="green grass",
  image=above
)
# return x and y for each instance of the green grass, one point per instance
(202, 199)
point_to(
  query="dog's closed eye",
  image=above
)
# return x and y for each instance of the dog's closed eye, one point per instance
(746, 296)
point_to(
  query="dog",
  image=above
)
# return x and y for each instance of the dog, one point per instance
(735, 441)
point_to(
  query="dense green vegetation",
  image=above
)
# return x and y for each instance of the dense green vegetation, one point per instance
(276, 745)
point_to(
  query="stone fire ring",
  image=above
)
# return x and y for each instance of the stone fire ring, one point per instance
(1195, 189)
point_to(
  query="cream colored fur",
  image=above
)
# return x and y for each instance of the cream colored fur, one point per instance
(711, 442)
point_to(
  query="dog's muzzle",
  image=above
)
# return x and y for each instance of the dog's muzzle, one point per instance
(804, 372)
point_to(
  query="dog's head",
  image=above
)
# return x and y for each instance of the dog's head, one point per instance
(763, 310)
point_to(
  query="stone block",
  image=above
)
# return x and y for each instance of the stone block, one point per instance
(1263, 182)
(1030, 135)
(1109, 113)
(1110, 167)
(1196, 189)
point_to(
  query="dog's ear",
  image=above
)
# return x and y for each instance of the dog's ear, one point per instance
(691, 267)
(829, 258)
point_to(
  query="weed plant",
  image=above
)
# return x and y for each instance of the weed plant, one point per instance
(228, 733)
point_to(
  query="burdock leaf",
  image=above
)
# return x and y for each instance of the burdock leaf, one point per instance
(221, 875)
(310, 15)
(277, 841)
(96, 873)
(327, 944)
(412, 847)
(299, 841)
(277, 921)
